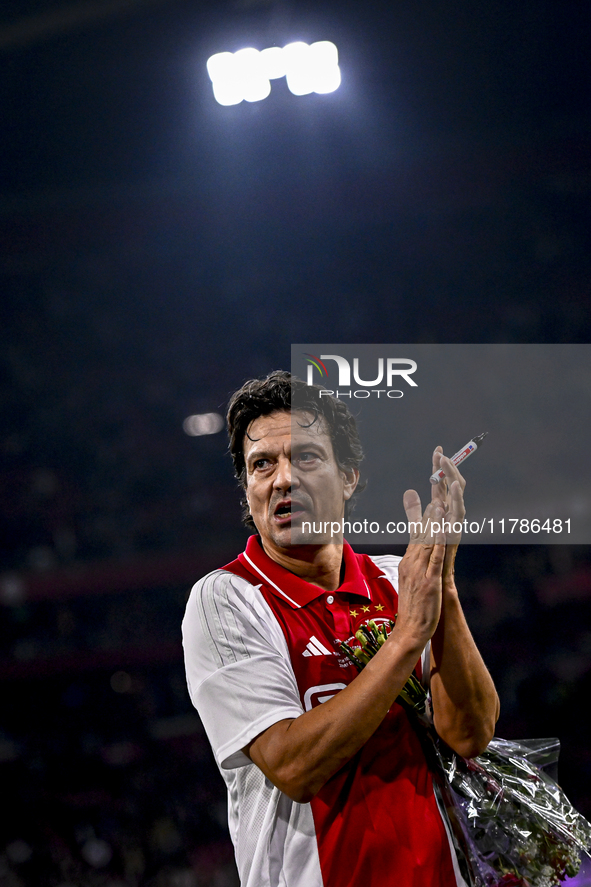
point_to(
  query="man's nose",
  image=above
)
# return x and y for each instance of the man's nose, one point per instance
(284, 477)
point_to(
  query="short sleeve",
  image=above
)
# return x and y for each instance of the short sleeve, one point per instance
(239, 674)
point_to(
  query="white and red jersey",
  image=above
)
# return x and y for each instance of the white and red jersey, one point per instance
(262, 645)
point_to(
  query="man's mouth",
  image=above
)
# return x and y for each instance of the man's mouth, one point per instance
(287, 511)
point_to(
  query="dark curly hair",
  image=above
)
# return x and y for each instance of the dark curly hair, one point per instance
(282, 391)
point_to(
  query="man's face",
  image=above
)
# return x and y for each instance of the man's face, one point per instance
(292, 476)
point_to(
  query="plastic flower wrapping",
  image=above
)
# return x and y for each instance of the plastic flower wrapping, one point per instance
(511, 823)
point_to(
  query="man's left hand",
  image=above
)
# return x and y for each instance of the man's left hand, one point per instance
(448, 494)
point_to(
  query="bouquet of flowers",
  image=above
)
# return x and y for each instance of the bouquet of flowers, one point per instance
(512, 825)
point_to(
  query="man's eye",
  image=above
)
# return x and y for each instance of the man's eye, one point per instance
(261, 464)
(306, 458)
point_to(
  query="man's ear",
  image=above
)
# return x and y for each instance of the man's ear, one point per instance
(351, 476)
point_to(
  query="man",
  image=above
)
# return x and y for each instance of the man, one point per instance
(327, 782)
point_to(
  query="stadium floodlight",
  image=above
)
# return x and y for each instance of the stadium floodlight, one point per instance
(250, 73)
(226, 88)
(324, 64)
(203, 423)
(273, 61)
(245, 75)
(298, 68)
(238, 76)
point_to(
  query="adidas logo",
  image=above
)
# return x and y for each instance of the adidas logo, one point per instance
(315, 648)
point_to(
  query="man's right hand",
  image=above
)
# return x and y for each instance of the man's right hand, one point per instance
(420, 573)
